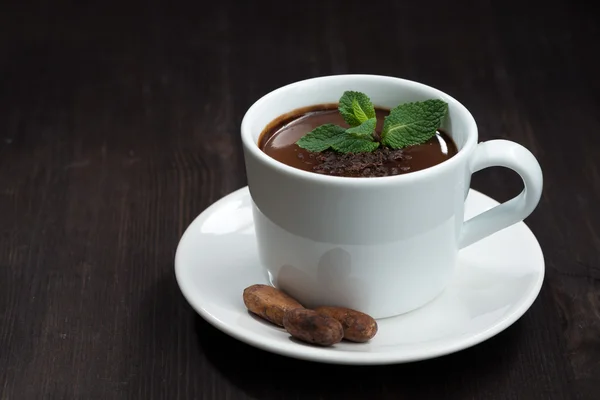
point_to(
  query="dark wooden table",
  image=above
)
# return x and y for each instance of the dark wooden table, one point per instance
(119, 123)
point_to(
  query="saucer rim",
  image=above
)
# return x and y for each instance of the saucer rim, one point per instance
(342, 357)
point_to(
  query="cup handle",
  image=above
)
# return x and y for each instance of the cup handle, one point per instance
(504, 153)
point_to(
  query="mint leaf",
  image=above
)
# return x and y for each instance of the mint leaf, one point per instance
(364, 129)
(414, 123)
(353, 144)
(332, 136)
(356, 108)
(321, 138)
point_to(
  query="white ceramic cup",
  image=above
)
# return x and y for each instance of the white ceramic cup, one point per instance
(384, 245)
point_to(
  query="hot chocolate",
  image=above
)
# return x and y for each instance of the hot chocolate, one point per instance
(279, 139)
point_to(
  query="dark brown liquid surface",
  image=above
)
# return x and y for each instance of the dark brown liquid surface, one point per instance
(279, 142)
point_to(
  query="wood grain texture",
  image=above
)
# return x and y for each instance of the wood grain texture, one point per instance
(119, 123)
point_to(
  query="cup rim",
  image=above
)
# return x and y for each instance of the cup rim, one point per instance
(253, 148)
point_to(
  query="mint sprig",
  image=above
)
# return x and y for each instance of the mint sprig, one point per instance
(414, 123)
(364, 129)
(322, 138)
(356, 108)
(407, 124)
(351, 144)
(337, 138)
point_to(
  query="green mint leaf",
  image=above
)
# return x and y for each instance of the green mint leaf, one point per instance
(321, 138)
(414, 123)
(364, 129)
(356, 108)
(353, 144)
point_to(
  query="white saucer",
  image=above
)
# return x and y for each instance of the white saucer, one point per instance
(496, 281)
